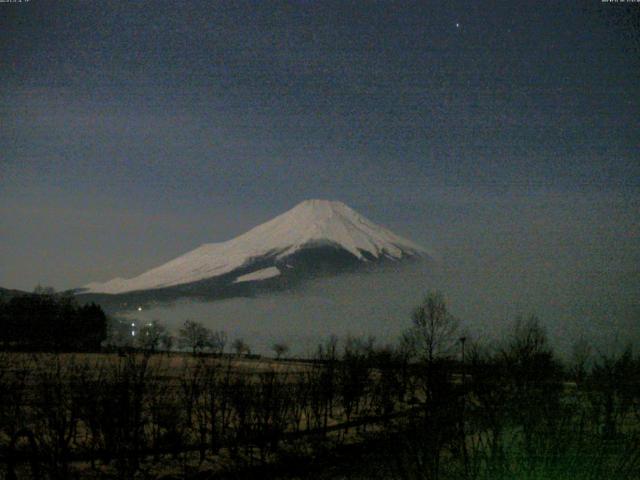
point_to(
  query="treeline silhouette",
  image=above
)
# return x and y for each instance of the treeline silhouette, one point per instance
(46, 321)
(437, 405)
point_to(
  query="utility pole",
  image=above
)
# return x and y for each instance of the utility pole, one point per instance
(464, 368)
(463, 435)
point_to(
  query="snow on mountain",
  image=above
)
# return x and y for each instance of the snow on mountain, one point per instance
(309, 224)
(262, 274)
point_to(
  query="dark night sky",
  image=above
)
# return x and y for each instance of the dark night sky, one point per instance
(505, 135)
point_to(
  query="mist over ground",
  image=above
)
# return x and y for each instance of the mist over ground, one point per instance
(571, 260)
(571, 257)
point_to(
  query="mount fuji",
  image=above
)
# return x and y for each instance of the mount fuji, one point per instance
(316, 237)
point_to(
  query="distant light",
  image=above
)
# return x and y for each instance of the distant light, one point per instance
(457, 25)
(139, 309)
(133, 324)
(133, 333)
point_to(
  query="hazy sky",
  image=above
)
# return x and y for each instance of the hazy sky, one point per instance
(504, 135)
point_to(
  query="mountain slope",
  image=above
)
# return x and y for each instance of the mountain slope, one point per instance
(301, 238)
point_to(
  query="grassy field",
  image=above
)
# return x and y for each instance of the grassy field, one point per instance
(361, 415)
(196, 412)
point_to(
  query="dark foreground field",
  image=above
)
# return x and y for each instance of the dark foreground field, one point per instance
(364, 413)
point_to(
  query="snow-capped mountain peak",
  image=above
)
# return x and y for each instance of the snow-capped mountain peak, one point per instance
(312, 223)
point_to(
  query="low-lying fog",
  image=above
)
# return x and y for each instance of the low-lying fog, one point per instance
(380, 304)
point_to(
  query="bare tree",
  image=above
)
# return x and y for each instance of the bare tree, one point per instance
(218, 340)
(611, 383)
(329, 349)
(534, 378)
(195, 336)
(41, 290)
(167, 341)
(151, 335)
(118, 332)
(529, 338)
(580, 358)
(280, 348)
(240, 347)
(327, 354)
(353, 375)
(433, 333)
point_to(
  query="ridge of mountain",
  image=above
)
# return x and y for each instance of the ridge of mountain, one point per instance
(315, 235)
